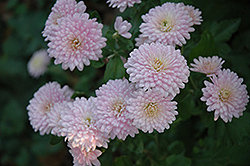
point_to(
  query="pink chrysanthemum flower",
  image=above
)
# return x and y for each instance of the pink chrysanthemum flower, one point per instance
(168, 24)
(62, 8)
(43, 101)
(84, 158)
(207, 65)
(195, 14)
(54, 117)
(122, 27)
(122, 4)
(76, 41)
(158, 66)
(79, 125)
(38, 63)
(112, 114)
(151, 110)
(225, 95)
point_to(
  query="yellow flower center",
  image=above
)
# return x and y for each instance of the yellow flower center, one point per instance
(157, 65)
(48, 106)
(151, 109)
(118, 108)
(166, 26)
(87, 121)
(208, 66)
(75, 43)
(224, 94)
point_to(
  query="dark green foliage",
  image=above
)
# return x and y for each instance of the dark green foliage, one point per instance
(193, 139)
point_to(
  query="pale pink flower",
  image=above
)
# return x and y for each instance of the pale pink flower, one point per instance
(122, 27)
(38, 63)
(76, 41)
(195, 14)
(54, 117)
(43, 101)
(141, 40)
(225, 95)
(84, 158)
(157, 66)
(207, 65)
(79, 125)
(168, 24)
(112, 114)
(122, 4)
(62, 8)
(151, 110)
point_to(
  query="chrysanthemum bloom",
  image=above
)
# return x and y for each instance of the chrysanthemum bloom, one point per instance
(84, 158)
(112, 114)
(122, 27)
(76, 41)
(38, 63)
(122, 4)
(54, 117)
(158, 66)
(42, 103)
(207, 65)
(225, 95)
(79, 125)
(151, 110)
(168, 24)
(195, 14)
(62, 8)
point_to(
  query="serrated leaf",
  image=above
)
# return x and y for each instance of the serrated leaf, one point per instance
(224, 30)
(114, 69)
(206, 46)
(96, 15)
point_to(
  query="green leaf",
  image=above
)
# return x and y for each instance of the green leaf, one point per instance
(78, 94)
(110, 40)
(178, 160)
(177, 147)
(97, 64)
(55, 140)
(114, 69)
(123, 161)
(224, 30)
(206, 46)
(96, 15)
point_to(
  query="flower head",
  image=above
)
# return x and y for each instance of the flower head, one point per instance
(122, 4)
(43, 101)
(207, 65)
(122, 27)
(169, 24)
(157, 66)
(54, 117)
(225, 95)
(151, 110)
(38, 63)
(62, 8)
(112, 114)
(84, 158)
(195, 14)
(79, 125)
(76, 41)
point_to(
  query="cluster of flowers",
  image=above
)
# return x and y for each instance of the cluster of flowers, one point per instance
(157, 71)
(224, 94)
